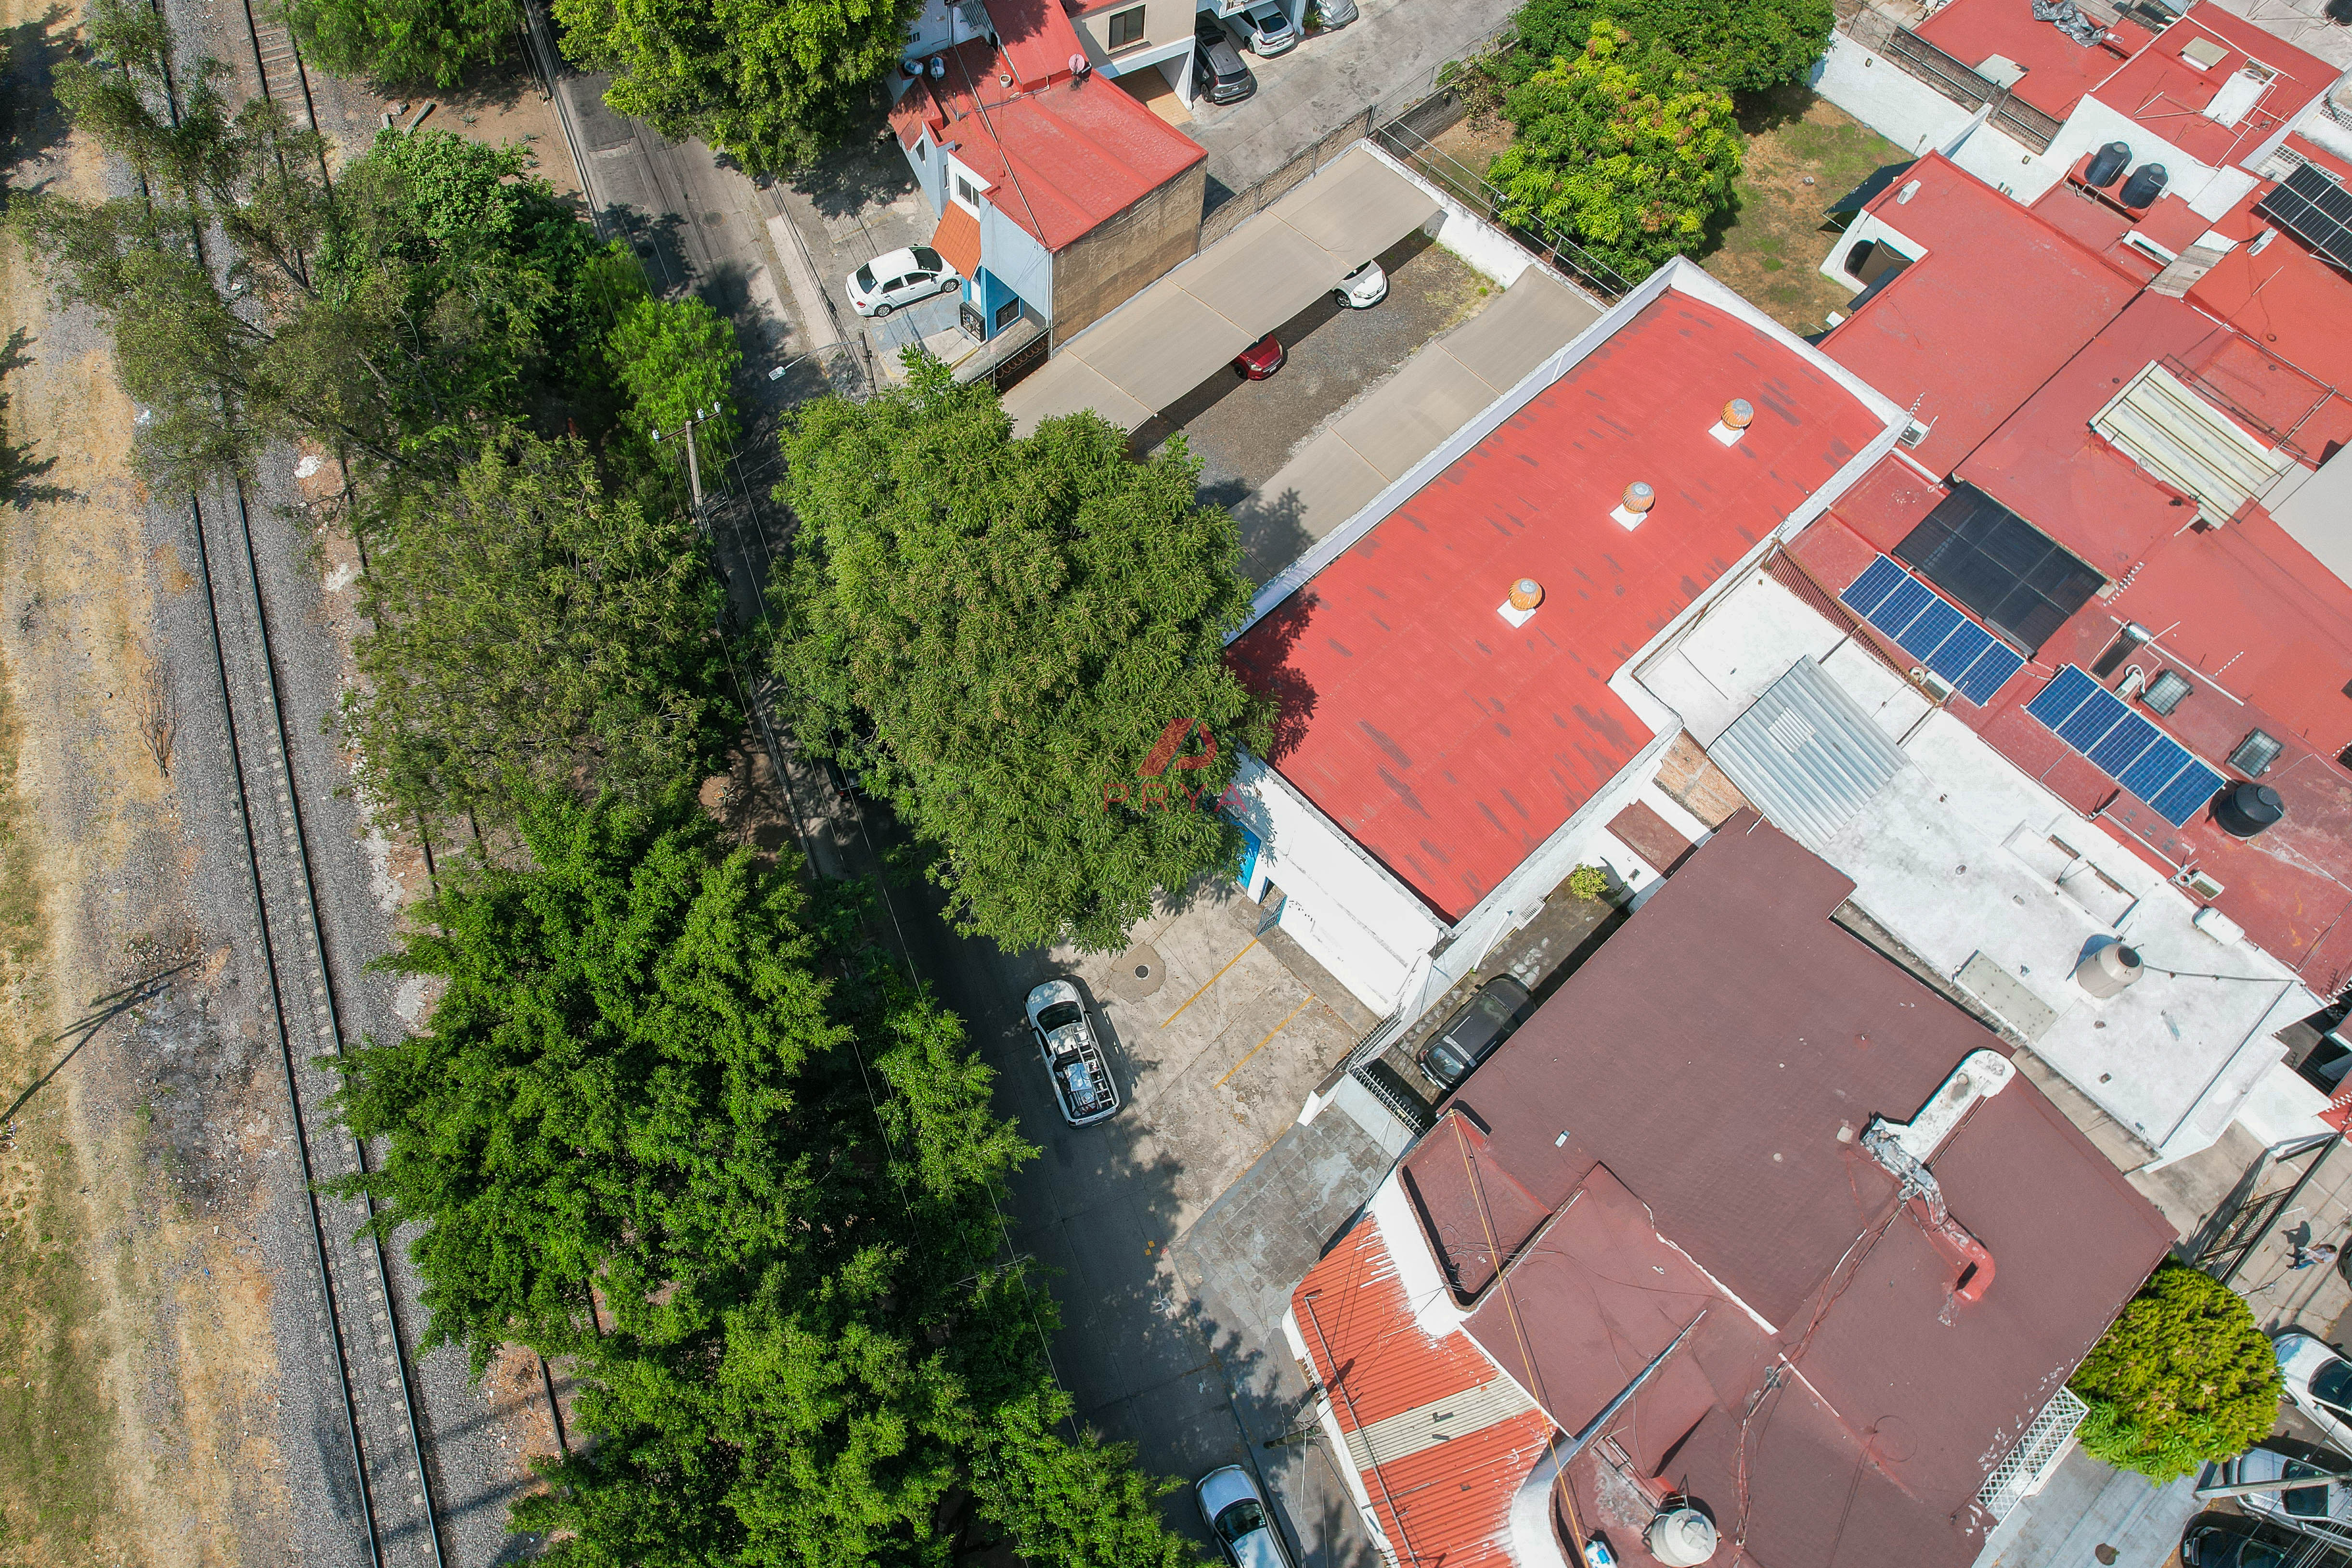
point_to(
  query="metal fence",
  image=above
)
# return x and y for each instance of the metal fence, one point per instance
(2020, 1475)
(1916, 57)
(1487, 201)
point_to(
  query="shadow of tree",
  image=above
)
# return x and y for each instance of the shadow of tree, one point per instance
(20, 471)
(31, 121)
(864, 172)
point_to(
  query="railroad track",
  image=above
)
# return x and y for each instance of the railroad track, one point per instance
(385, 1489)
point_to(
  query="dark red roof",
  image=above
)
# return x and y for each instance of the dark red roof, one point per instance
(1701, 1068)
(1449, 743)
(2137, 74)
(1062, 153)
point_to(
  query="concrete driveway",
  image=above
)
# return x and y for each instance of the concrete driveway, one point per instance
(1243, 431)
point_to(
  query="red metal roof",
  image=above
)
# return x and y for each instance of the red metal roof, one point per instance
(1701, 1067)
(1062, 154)
(1448, 742)
(2137, 74)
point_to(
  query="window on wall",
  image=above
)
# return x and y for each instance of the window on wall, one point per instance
(1126, 27)
(922, 149)
(2012, 574)
(1007, 313)
(966, 192)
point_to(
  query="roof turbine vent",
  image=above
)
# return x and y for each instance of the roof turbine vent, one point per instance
(1640, 498)
(1737, 415)
(1682, 1538)
(1519, 606)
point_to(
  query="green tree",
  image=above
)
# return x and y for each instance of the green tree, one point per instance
(783, 1190)
(774, 82)
(400, 41)
(527, 626)
(995, 634)
(1624, 147)
(677, 357)
(2182, 1376)
(397, 316)
(1747, 48)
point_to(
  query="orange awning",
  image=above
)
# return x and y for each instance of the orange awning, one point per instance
(958, 241)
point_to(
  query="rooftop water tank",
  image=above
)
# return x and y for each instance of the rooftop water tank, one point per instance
(1682, 1538)
(2248, 809)
(2108, 971)
(2146, 184)
(2106, 164)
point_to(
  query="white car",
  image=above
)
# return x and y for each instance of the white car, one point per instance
(1236, 1514)
(1267, 27)
(901, 277)
(2319, 1383)
(1364, 288)
(1074, 1058)
(2322, 1508)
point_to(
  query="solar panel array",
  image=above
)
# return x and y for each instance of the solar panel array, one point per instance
(2315, 209)
(1929, 629)
(2126, 747)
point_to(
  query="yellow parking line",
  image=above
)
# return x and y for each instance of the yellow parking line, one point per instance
(1262, 1044)
(1212, 979)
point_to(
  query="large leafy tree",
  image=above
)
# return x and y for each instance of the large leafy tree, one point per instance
(678, 359)
(1623, 146)
(2183, 1376)
(425, 298)
(524, 625)
(400, 41)
(997, 636)
(773, 82)
(1747, 46)
(806, 1343)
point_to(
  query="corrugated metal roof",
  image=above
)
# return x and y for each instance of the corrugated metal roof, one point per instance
(2181, 439)
(1807, 755)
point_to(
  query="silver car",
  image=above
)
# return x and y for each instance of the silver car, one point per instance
(1267, 27)
(1064, 1034)
(2319, 1383)
(1236, 1515)
(2323, 1509)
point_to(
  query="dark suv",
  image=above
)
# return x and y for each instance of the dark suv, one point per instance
(1470, 1036)
(2233, 1541)
(1218, 74)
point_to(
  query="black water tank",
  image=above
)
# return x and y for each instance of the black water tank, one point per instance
(2246, 809)
(2106, 164)
(2145, 185)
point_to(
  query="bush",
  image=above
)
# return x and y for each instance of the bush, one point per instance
(2181, 1376)
(1588, 882)
(1747, 47)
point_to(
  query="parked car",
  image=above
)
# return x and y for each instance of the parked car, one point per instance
(1219, 74)
(1267, 27)
(1236, 1515)
(1471, 1036)
(2319, 1383)
(1335, 14)
(2322, 1508)
(901, 277)
(1364, 288)
(1074, 1058)
(2236, 1541)
(1261, 359)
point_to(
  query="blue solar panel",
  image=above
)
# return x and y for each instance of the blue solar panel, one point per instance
(1878, 579)
(2123, 745)
(1928, 627)
(2126, 747)
(1990, 673)
(1901, 607)
(1935, 623)
(1956, 653)
(2062, 697)
(2100, 713)
(2185, 796)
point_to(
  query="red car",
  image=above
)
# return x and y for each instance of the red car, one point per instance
(1260, 359)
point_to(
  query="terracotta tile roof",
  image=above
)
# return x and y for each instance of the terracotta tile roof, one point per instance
(958, 239)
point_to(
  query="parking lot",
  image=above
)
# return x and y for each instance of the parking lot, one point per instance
(1242, 432)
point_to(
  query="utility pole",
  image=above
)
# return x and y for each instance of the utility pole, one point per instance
(693, 461)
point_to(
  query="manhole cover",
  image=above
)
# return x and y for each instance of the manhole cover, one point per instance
(1137, 973)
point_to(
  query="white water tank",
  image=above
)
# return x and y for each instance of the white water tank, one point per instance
(2108, 971)
(1682, 1538)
